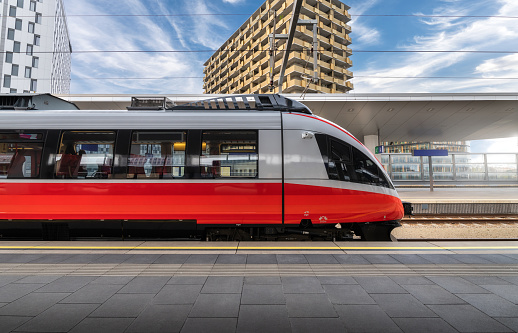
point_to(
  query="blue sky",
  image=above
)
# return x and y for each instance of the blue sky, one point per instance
(194, 33)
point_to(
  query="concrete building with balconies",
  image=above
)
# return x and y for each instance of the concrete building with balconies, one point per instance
(242, 64)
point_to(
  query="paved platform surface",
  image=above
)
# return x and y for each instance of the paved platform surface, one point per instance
(258, 287)
(459, 195)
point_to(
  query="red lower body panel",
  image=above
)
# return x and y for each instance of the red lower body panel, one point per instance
(207, 203)
(216, 203)
(335, 205)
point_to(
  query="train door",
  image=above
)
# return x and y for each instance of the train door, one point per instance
(304, 176)
(270, 201)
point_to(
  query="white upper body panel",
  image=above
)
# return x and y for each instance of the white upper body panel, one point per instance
(83, 120)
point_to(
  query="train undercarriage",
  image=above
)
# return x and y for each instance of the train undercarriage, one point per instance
(189, 230)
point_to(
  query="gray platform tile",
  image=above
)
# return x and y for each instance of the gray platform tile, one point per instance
(202, 259)
(433, 294)
(262, 294)
(301, 285)
(263, 318)
(112, 259)
(39, 279)
(510, 279)
(102, 325)
(93, 293)
(51, 259)
(309, 306)
(424, 325)
(488, 280)
(59, 318)
(410, 279)
(457, 285)
(366, 318)
(499, 258)
(492, 305)
(466, 318)
(22, 258)
(216, 306)
(13, 291)
(380, 259)
(10, 323)
(142, 259)
(379, 285)
(177, 294)
(336, 280)
(312, 325)
(509, 292)
(145, 285)
(402, 306)
(512, 323)
(109, 279)
(6, 279)
(172, 259)
(440, 258)
(470, 259)
(348, 294)
(351, 259)
(160, 318)
(231, 259)
(410, 259)
(223, 285)
(187, 280)
(84, 258)
(262, 280)
(261, 259)
(321, 259)
(32, 304)
(123, 306)
(67, 284)
(291, 259)
(213, 325)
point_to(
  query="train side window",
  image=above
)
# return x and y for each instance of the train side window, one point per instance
(20, 155)
(85, 154)
(157, 154)
(229, 154)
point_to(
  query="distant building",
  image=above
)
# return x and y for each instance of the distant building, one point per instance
(35, 47)
(408, 147)
(242, 63)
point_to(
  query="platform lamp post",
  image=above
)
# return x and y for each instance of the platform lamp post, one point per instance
(429, 153)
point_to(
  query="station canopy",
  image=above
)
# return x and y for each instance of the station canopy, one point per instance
(416, 117)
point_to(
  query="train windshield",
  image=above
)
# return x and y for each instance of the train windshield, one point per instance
(346, 163)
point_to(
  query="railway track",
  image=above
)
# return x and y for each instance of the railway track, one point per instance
(460, 219)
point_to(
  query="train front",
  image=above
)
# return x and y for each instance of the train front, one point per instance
(332, 180)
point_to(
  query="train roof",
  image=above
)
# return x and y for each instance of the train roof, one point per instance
(252, 102)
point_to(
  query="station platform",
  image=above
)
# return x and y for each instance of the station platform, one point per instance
(139, 286)
(462, 200)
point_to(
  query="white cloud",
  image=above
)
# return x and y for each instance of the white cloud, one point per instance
(233, 1)
(363, 35)
(141, 33)
(476, 34)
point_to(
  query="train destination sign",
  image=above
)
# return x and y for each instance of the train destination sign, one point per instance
(430, 152)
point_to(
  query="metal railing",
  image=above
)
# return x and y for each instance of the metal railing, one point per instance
(489, 167)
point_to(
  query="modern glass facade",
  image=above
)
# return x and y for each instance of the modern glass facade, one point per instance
(455, 167)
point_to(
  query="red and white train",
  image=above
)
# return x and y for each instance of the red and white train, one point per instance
(239, 167)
